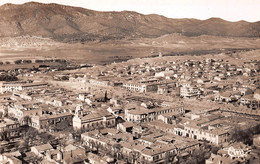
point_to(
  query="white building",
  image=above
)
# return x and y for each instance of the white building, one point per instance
(19, 86)
(141, 87)
(189, 91)
(92, 121)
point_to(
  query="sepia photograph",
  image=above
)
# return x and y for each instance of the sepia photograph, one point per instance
(129, 82)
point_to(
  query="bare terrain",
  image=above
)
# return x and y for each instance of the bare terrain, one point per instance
(34, 30)
(109, 51)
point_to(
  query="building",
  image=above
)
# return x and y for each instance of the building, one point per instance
(41, 150)
(234, 153)
(216, 134)
(257, 94)
(158, 153)
(9, 129)
(73, 154)
(141, 87)
(189, 91)
(19, 86)
(100, 119)
(102, 83)
(146, 115)
(11, 86)
(9, 159)
(48, 121)
(20, 110)
(169, 118)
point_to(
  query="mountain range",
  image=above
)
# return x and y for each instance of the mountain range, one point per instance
(73, 24)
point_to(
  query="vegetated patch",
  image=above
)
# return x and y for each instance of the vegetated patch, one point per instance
(26, 66)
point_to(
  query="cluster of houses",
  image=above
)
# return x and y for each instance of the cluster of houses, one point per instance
(151, 112)
(218, 80)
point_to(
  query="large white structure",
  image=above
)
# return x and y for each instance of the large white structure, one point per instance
(189, 91)
(147, 115)
(18, 86)
(93, 120)
(141, 87)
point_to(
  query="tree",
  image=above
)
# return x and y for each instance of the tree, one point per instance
(7, 62)
(61, 126)
(105, 97)
(30, 135)
(45, 137)
(27, 61)
(27, 120)
(65, 78)
(245, 136)
(18, 61)
(8, 78)
(38, 61)
(2, 150)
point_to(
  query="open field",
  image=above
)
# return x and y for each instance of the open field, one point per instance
(119, 50)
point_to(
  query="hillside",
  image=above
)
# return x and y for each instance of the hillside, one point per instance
(73, 24)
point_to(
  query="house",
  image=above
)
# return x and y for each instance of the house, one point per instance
(162, 126)
(189, 91)
(67, 155)
(22, 109)
(227, 96)
(7, 159)
(141, 87)
(19, 86)
(166, 74)
(169, 118)
(95, 159)
(73, 154)
(250, 101)
(115, 110)
(257, 94)
(158, 153)
(9, 129)
(47, 121)
(54, 155)
(141, 114)
(126, 126)
(256, 140)
(102, 83)
(98, 119)
(216, 134)
(41, 150)
(234, 153)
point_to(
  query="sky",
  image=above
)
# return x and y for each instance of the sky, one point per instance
(231, 10)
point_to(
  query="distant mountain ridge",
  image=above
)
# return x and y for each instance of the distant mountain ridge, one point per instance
(66, 23)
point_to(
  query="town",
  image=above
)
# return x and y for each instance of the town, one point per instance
(162, 109)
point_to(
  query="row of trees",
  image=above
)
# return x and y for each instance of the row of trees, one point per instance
(22, 61)
(115, 151)
(28, 61)
(17, 62)
(8, 78)
(7, 62)
(51, 61)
